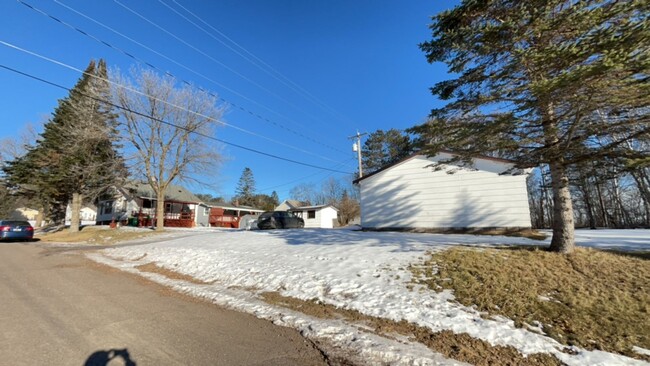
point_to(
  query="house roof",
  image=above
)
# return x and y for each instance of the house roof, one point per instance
(294, 203)
(172, 193)
(238, 208)
(316, 207)
(386, 167)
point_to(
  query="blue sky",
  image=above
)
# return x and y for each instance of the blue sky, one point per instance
(339, 66)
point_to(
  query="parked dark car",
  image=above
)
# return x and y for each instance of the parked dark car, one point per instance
(279, 220)
(16, 230)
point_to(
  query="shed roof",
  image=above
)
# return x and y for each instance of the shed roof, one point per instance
(314, 207)
(389, 166)
(294, 203)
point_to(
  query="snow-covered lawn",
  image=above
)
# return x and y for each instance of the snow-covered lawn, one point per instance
(364, 271)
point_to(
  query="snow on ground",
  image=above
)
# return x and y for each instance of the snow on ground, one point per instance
(363, 271)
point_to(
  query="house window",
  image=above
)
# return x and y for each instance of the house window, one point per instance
(108, 207)
(147, 203)
(311, 214)
(206, 211)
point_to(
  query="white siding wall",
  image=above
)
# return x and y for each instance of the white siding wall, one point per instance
(412, 195)
(121, 209)
(327, 217)
(312, 223)
(283, 207)
(201, 215)
(324, 218)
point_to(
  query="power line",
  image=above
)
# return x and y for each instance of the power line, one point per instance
(213, 59)
(163, 101)
(303, 178)
(139, 60)
(169, 123)
(161, 28)
(253, 59)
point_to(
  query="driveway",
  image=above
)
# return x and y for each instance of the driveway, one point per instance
(59, 308)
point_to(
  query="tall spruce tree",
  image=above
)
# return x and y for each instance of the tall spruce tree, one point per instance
(92, 164)
(76, 155)
(383, 148)
(245, 193)
(275, 198)
(552, 82)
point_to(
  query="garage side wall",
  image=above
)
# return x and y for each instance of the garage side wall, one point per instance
(327, 217)
(412, 195)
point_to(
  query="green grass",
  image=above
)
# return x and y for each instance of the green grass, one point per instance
(592, 299)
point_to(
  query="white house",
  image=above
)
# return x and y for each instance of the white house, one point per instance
(137, 201)
(319, 216)
(287, 205)
(87, 214)
(322, 216)
(411, 194)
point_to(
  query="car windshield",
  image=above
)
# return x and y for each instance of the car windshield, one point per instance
(14, 223)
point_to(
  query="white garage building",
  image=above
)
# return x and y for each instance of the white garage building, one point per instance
(411, 194)
(315, 216)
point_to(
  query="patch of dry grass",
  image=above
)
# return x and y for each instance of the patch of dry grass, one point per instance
(153, 268)
(461, 347)
(593, 299)
(524, 233)
(96, 235)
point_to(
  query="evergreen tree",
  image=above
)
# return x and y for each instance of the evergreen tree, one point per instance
(246, 188)
(275, 198)
(92, 164)
(264, 202)
(543, 82)
(76, 155)
(383, 148)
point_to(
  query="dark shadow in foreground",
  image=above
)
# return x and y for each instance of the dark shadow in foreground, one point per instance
(102, 358)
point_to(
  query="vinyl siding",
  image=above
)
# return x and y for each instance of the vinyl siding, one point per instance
(324, 217)
(413, 195)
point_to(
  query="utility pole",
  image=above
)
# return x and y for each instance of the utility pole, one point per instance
(357, 147)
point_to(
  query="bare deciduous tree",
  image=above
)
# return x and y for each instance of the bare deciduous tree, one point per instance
(164, 125)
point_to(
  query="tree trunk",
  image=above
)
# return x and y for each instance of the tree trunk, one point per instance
(563, 226)
(603, 210)
(160, 209)
(547, 218)
(644, 192)
(57, 212)
(39, 217)
(588, 203)
(75, 209)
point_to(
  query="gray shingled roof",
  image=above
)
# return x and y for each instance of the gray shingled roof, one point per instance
(173, 192)
(295, 203)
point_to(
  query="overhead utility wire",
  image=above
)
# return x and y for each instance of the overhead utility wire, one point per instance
(169, 123)
(164, 101)
(253, 59)
(305, 177)
(161, 28)
(170, 74)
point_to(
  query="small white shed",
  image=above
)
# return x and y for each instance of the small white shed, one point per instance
(322, 216)
(411, 194)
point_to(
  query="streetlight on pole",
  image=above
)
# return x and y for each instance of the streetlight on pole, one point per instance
(357, 147)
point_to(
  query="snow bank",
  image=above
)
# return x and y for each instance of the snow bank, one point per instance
(363, 271)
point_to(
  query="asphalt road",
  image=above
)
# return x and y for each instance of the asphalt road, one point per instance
(59, 308)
